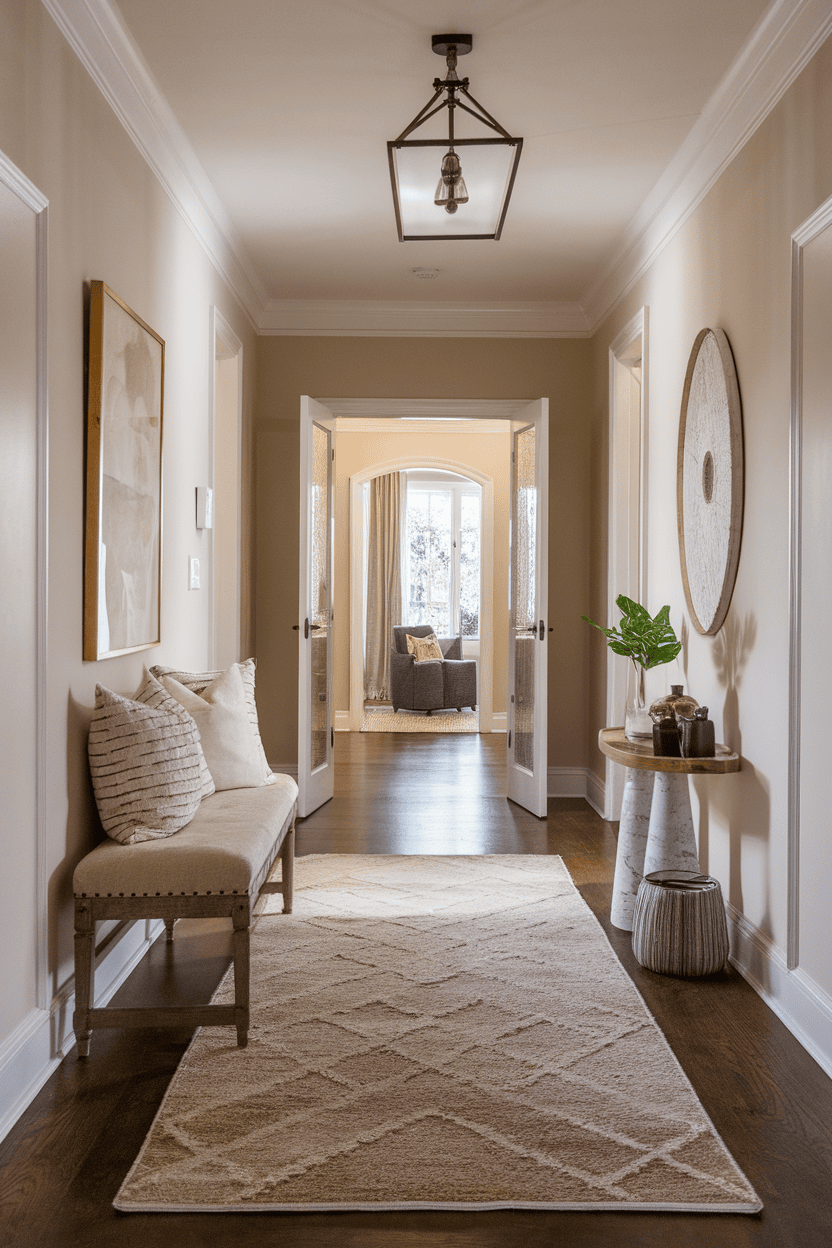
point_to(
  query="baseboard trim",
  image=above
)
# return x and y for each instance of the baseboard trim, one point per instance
(499, 721)
(573, 783)
(596, 792)
(342, 722)
(801, 1004)
(286, 769)
(36, 1048)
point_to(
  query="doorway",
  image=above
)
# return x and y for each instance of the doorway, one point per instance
(526, 768)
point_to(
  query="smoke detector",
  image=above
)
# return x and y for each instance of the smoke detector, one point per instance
(425, 274)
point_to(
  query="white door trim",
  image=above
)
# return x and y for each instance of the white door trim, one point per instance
(627, 556)
(809, 230)
(224, 345)
(17, 182)
(485, 693)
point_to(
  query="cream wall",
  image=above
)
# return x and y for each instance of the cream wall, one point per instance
(109, 218)
(421, 368)
(729, 267)
(489, 453)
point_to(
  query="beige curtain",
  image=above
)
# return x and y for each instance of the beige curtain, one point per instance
(384, 581)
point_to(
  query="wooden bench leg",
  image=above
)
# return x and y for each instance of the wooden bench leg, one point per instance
(84, 974)
(169, 926)
(287, 868)
(241, 918)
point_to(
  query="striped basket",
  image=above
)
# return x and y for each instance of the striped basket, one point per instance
(679, 926)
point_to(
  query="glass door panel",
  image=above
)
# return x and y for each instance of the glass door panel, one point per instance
(320, 606)
(315, 621)
(527, 738)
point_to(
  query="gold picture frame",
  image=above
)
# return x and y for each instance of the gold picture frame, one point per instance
(123, 539)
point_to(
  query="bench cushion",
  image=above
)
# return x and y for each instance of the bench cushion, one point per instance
(228, 847)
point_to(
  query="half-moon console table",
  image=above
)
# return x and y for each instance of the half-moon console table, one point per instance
(656, 829)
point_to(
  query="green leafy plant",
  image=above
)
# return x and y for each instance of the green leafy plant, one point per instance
(647, 640)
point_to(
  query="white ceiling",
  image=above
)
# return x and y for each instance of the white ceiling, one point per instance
(288, 106)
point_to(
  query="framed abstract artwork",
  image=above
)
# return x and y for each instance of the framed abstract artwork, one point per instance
(710, 480)
(123, 547)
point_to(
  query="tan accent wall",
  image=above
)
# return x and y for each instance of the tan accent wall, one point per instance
(489, 453)
(421, 368)
(109, 218)
(728, 267)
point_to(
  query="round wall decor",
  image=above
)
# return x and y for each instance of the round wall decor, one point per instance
(709, 480)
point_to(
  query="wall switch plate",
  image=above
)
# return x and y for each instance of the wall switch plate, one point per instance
(204, 507)
(193, 573)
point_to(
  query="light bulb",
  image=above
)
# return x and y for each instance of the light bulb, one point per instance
(451, 190)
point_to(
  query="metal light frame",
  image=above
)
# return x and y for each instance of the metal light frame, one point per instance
(452, 46)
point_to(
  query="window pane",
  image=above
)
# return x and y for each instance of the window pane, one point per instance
(469, 566)
(429, 546)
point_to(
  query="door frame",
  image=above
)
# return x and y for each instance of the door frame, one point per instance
(627, 554)
(417, 409)
(485, 690)
(815, 225)
(225, 345)
(16, 181)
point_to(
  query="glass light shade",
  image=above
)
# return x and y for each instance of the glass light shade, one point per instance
(451, 191)
(488, 170)
(450, 196)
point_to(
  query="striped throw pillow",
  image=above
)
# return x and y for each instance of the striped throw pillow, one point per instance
(145, 768)
(151, 693)
(197, 682)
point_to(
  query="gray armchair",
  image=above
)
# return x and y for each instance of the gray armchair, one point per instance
(435, 685)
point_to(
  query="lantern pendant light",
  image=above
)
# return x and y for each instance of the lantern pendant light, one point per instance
(490, 163)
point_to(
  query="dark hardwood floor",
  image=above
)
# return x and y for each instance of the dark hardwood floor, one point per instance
(65, 1159)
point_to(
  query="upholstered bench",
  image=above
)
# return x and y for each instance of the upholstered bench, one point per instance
(215, 866)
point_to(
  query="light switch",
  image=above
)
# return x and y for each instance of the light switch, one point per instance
(204, 507)
(193, 573)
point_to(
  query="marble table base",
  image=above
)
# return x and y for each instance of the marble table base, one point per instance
(655, 834)
(632, 845)
(671, 843)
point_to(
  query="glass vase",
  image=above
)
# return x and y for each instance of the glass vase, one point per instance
(638, 726)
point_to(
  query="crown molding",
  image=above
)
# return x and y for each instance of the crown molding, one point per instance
(388, 318)
(782, 44)
(454, 425)
(483, 411)
(101, 41)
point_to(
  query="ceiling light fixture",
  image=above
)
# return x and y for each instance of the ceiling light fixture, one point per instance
(473, 206)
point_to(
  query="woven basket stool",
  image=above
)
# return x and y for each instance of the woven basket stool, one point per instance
(679, 925)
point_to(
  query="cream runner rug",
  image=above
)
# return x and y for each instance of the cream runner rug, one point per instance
(385, 719)
(434, 1033)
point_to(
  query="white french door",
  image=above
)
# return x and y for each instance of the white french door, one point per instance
(316, 768)
(528, 608)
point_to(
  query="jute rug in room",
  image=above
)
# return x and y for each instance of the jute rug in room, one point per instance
(385, 719)
(435, 1033)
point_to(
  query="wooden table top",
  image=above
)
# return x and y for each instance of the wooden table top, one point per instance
(613, 743)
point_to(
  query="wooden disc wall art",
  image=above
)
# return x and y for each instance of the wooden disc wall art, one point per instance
(709, 480)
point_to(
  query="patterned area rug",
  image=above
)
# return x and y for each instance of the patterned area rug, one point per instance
(434, 1033)
(385, 719)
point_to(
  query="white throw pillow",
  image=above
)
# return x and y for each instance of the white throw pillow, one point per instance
(145, 768)
(197, 681)
(221, 716)
(151, 693)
